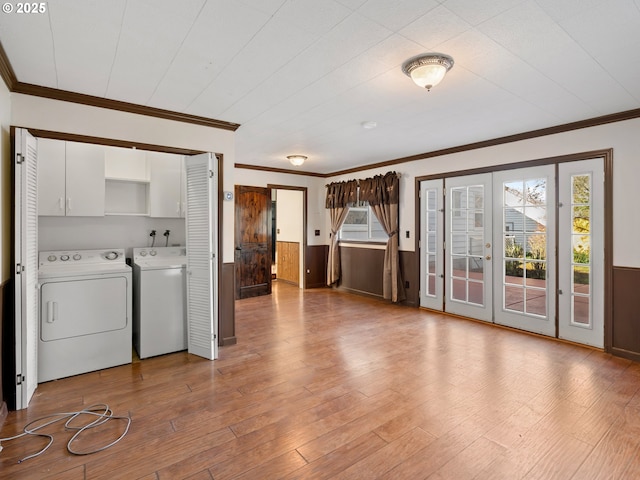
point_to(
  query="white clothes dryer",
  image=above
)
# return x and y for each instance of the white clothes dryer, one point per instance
(85, 312)
(160, 307)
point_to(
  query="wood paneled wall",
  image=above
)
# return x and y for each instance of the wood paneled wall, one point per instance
(315, 261)
(362, 272)
(288, 261)
(227, 320)
(5, 318)
(626, 313)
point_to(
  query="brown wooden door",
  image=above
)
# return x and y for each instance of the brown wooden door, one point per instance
(253, 241)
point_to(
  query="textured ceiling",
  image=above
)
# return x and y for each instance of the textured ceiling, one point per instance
(301, 76)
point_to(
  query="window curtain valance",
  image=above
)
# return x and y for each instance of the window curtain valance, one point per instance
(341, 194)
(382, 194)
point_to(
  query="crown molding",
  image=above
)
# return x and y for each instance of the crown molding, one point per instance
(83, 99)
(10, 79)
(111, 142)
(280, 170)
(543, 132)
(591, 122)
(6, 70)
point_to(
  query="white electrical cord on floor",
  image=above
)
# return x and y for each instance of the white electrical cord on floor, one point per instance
(101, 411)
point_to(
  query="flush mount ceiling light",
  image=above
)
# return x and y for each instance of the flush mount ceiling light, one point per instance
(296, 160)
(427, 70)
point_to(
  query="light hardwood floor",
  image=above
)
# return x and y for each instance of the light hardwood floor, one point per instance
(327, 385)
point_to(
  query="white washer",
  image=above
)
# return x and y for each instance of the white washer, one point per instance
(160, 308)
(85, 312)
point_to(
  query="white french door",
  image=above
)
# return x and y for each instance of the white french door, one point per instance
(581, 246)
(524, 248)
(490, 253)
(431, 285)
(468, 252)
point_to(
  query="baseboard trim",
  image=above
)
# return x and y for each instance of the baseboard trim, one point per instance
(229, 341)
(619, 352)
(360, 293)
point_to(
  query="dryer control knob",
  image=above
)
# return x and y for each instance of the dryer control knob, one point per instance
(52, 258)
(153, 253)
(143, 253)
(111, 255)
(77, 256)
(64, 258)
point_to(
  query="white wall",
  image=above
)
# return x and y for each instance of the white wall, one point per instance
(5, 181)
(87, 233)
(623, 137)
(41, 113)
(290, 221)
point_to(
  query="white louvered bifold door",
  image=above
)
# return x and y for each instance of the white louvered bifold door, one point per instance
(202, 258)
(26, 266)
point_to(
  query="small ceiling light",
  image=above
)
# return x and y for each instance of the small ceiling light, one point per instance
(427, 70)
(296, 160)
(369, 125)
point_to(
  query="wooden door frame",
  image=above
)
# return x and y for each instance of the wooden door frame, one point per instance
(304, 224)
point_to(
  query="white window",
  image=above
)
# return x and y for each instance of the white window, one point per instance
(362, 224)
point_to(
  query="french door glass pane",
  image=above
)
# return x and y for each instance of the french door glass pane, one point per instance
(581, 246)
(430, 257)
(525, 246)
(467, 244)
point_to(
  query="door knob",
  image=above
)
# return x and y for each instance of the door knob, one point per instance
(488, 257)
(238, 248)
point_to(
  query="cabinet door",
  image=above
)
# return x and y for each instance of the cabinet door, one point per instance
(165, 199)
(85, 180)
(51, 177)
(125, 164)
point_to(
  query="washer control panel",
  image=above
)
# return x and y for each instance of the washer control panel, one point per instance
(159, 253)
(81, 257)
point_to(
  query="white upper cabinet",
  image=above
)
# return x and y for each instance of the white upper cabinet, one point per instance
(52, 197)
(125, 164)
(70, 178)
(165, 187)
(85, 179)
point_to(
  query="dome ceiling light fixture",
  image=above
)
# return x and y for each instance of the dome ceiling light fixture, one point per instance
(427, 70)
(296, 160)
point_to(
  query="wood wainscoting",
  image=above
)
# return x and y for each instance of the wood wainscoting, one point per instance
(626, 313)
(288, 261)
(362, 272)
(315, 261)
(6, 317)
(227, 321)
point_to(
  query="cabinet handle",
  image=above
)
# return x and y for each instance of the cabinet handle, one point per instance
(52, 311)
(178, 208)
(68, 203)
(60, 203)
